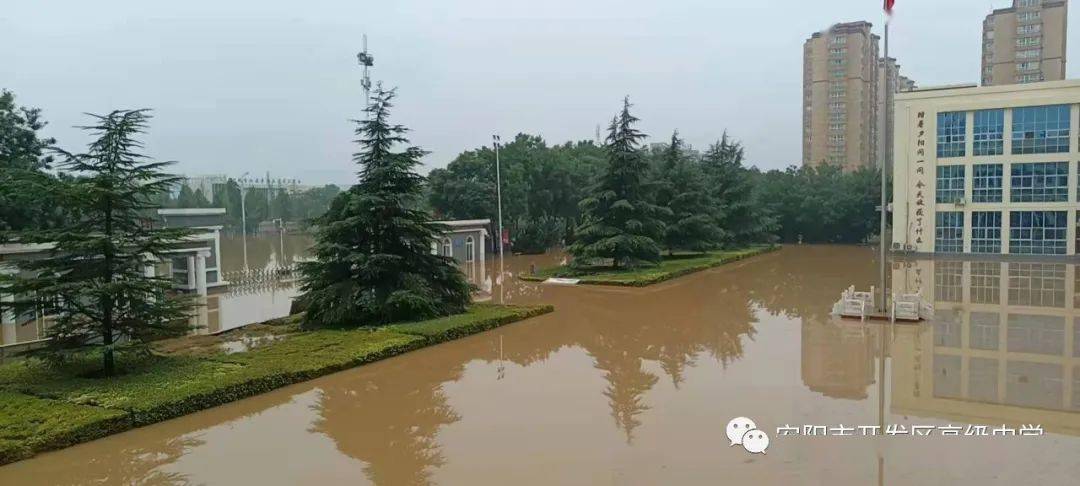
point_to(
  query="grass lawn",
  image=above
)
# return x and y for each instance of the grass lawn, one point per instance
(669, 268)
(45, 408)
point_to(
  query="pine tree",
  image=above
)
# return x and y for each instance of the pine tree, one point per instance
(691, 224)
(283, 206)
(93, 281)
(373, 246)
(186, 198)
(732, 190)
(200, 199)
(620, 222)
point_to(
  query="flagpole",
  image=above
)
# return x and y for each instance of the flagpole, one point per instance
(498, 191)
(888, 123)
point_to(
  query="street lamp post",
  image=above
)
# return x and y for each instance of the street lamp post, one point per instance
(498, 191)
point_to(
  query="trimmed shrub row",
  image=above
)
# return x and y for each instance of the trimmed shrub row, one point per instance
(29, 425)
(454, 327)
(643, 276)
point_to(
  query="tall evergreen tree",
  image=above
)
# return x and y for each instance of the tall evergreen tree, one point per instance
(93, 281)
(186, 198)
(732, 189)
(200, 199)
(620, 222)
(283, 206)
(373, 246)
(691, 224)
(228, 196)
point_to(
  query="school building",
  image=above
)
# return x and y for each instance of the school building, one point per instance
(987, 170)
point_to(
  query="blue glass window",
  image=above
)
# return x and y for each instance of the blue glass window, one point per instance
(951, 129)
(986, 232)
(1040, 129)
(950, 183)
(989, 132)
(1040, 182)
(1037, 232)
(949, 232)
(986, 183)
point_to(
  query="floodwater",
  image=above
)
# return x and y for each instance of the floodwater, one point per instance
(636, 386)
(259, 292)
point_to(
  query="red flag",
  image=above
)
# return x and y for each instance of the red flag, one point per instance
(888, 6)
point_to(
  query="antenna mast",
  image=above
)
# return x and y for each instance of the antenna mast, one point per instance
(366, 61)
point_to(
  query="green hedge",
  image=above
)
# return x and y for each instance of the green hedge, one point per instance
(480, 317)
(43, 408)
(30, 424)
(667, 269)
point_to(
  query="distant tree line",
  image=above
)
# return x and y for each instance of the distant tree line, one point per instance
(542, 188)
(821, 204)
(706, 200)
(302, 207)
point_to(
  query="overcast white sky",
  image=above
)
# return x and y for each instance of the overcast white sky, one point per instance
(256, 85)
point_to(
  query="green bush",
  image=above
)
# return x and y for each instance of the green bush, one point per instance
(480, 318)
(669, 268)
(30, 424)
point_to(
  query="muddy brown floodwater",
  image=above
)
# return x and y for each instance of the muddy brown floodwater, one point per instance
(636, 386)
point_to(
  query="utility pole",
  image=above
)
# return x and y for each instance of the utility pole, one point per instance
(498, 192)
(366, 61)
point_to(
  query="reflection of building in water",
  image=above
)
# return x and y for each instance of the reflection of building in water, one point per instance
(241, 305)
(837, 358)
(1002, 346)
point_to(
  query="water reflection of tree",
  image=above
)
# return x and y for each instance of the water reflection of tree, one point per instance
(672, 325)
(130, 465)
(389, 416)
(627, 383)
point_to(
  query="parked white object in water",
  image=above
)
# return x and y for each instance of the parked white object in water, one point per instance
(562, 281)
(904, 307)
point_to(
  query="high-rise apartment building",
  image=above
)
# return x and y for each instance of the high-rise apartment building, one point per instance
(844, 97)
(1024, 43)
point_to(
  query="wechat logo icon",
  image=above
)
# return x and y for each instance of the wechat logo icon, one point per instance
(743, 431)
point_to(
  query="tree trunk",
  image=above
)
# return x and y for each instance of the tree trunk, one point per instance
(110, 361)
(107, 305)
